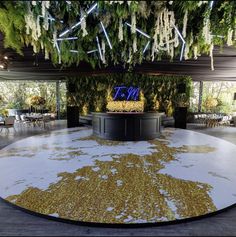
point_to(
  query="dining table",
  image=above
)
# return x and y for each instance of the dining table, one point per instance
(34, 119)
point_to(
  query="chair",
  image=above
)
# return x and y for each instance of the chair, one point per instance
(8, 123)
(25, 121)
(225, 120)
(18, 120)
(45, 121)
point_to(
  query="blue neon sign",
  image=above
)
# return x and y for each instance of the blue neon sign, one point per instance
(126, 93)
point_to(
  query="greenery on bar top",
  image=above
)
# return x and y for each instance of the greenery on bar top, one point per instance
(92, 93)
(202, 24)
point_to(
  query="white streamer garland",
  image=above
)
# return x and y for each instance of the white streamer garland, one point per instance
(103, 51)
(211, 56)
(195, 52)
(133, 23)
(120, 34)
(46, 53)
(230, 37)
(185, 21)
(83, 23)
(135, 44)
(165, 37)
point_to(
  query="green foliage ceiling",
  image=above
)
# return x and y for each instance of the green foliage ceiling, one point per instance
(202, 24)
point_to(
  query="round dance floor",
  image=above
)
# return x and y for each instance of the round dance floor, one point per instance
(72, 175)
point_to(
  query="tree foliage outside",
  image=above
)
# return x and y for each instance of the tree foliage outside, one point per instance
(217, 97)
(18, 94)
(222, 92)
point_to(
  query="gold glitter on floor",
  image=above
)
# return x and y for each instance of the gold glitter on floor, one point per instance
(120, 188)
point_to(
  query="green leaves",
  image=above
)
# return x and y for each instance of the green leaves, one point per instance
(93, 92)
(222, 18)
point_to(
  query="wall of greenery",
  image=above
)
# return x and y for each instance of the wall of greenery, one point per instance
(91, 93)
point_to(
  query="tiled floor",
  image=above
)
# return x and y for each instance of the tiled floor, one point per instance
(15, 222)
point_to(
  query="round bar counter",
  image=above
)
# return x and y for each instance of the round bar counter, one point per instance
(127, 126)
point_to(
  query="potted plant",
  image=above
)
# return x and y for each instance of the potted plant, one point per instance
(37, 101)
(210, 104)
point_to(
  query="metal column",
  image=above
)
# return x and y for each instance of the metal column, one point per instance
(200, 96)
(58, 99)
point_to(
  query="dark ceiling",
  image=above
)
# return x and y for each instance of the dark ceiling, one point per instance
(34, 67)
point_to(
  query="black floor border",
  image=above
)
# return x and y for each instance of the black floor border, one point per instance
(119, 225)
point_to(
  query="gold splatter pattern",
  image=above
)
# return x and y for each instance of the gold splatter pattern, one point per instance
(100, 141)
(198, 149)
(127, 189)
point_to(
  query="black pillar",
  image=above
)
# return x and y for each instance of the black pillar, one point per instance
(72, 108)
(180, 116)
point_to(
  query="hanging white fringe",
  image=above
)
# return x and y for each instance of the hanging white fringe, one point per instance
(83, 23)
(45, 20)
(211, 56)
(34, 47)
(103, 52)
(38, 27)
(185, 21)
(54, 38)
(27, 24)
(172, 51)
(59, 58)
(42, 45)
(165, 37)
(31, 24)
(33, 27)
(195, 52)
(135, 44)
(201, 2)
(153, 52)
(230, 37)
(206, 32)
(47, 4)
(34, 3)
(130, 56)
(186, 51)
(120, 35)
(43, 8)
(133, 23)
(46, 54)
(187, 47)
(176, 40)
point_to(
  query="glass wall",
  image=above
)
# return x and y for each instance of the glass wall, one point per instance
(17, 94)
(221, 94)
(194, 99)
(217, 96)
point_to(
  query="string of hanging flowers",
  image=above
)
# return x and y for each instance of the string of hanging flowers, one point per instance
(44, 21)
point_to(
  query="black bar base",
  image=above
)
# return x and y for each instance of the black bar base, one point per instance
(127, 126)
